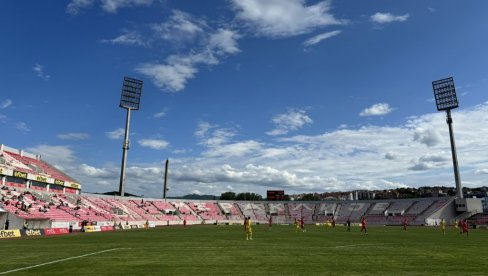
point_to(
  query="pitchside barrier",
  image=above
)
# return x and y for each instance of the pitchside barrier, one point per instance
(16, 233)
(8, 234)
(97, 228)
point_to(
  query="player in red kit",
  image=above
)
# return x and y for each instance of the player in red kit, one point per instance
(405, 223)
(465, 228)
(302, 224)
(363, 226)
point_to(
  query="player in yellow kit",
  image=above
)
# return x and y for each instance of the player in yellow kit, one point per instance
(443, 226)
(297, 225)
(248, 228)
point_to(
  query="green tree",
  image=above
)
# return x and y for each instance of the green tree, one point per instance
(249, 196)
(228, 196)
(310, 197)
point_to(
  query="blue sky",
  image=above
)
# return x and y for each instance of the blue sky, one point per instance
(247, 95)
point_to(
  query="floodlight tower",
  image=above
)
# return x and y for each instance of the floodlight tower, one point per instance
(129, 99)
(446, 99)
(165, 186)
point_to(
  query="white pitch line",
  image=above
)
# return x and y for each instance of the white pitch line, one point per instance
(61, 260)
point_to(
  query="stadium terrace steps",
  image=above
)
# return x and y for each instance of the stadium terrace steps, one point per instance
(399, 207)
(278, 212)
(302, 210)
(207, 210)
(39, 166)
(479, 219)
(231, 211)
(256, 211)
(63, 208)
(352, 210)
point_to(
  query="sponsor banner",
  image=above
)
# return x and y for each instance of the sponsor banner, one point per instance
(133, 226)
(60, 224)
(32, 232)
(40, 178)
(7, 172)
(107, 228)
(72, 185)
(7, 234)
(125, 227)
(20, 174)
(58, 182)
(92, 228)
(56, 231)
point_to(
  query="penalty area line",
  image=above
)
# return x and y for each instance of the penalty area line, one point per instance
(61, 260)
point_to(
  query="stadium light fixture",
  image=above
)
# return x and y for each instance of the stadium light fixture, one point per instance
(130, 100)
(446, 99)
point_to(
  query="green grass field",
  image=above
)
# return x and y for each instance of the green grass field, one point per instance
(223, 250)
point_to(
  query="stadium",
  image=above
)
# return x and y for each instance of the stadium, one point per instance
(40, 202)
(327, 127)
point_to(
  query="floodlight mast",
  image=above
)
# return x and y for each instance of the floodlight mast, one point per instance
(165, 186)
(446, 99)
(130, 100)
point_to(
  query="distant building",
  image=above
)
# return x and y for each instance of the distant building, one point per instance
(363, 195)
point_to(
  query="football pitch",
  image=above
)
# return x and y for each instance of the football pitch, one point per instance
(223, 250)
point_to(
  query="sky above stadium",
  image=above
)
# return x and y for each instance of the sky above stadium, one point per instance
(247, 95)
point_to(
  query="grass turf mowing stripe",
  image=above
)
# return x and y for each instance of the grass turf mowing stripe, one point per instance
(61, 260)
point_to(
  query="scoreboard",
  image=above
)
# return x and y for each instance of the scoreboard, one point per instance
(275, 195)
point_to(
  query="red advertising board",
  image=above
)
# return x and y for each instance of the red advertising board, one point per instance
(107, 228)
(56, 231)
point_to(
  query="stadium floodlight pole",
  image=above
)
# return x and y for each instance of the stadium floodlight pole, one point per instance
(165, 187)
(129, 99)
(446, 99)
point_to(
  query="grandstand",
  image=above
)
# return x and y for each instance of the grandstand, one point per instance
(33, 191)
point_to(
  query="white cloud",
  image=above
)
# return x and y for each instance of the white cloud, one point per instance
(153, 143)
(116, 134)
(74, 136)
(159, 114)
(22, 127)
(202, 129)
(391, 156)
(75, 6)
(318, 38)
(367, 157)
(284, 18)
(429, 137)
(56, 155)
(382, 18)
(212, 135)
(180, 27)
(128, 38)
(481, 171)
(376, 110)
(171, 76)
(39, 69)
(5, 103)
(110, 6)
(174, 73)
(96, 172)
(195, 42)
(430, 161)
(294, 119)
(224, 41)
(232, 149)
